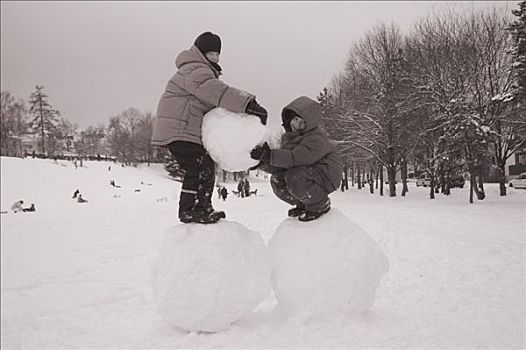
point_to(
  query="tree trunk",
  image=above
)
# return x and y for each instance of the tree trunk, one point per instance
(446, 181)
(442, 180)
(502, 178)
(432, 187)
(502, 186)
(371, 181)
(501, 161)
(345, 180)
(481, 194)
(352, 174)
(471, 186)
(403, 173)
(381, 171)
(359, 179)
(391, 177)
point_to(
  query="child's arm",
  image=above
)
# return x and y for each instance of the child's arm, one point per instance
(203, 84)
(306, 153)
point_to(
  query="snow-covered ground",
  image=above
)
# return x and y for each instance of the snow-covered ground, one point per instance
(79, 275)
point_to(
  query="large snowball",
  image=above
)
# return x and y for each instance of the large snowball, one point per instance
(229, 137)
(329, 265)
(208, 276)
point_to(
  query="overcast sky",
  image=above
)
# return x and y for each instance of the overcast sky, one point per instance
(95, 59)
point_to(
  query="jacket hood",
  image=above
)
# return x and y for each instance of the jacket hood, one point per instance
(306, 108)
(193, 55)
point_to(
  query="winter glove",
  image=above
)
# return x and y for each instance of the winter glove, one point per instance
(261, 153)
(254, 108)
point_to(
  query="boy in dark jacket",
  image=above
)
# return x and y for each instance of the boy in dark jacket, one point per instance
(307, 167)
(192, 92)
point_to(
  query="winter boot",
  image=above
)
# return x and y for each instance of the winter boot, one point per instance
(313, 215)
(215, 213)
(198, 216)
(204, 204)
(296, 211)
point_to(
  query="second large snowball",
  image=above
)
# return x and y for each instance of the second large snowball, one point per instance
(229, 137)
(208, 276)
(329, 265)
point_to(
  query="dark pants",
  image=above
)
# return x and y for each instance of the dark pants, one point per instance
(301, 186)
(199, 177)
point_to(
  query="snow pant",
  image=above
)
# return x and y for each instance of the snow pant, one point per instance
(199, 177)
(302, 186)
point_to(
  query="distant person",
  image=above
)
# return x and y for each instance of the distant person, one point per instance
(17, 206)
(240, 188)
(193, 91)
(246, 187)
(76, 193)
(31, 208)
(310, 166)
(80, 199)
(224, 193)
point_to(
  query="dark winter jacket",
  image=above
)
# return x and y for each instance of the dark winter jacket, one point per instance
(192, 92)
(309, 147)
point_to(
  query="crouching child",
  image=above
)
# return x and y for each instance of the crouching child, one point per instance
(307, 167)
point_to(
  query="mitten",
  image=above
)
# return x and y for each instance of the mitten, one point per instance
(261, 152)
(255, 109)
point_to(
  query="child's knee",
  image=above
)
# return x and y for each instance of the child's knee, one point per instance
(297, 176)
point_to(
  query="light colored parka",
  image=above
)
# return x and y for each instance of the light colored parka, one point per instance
(191, 92)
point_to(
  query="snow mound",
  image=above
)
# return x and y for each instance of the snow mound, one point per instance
(329, 265)
(229, 137)
(207, 277)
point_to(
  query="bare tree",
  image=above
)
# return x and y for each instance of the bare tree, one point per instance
(128, 135)
(492, 86)
(13, 123)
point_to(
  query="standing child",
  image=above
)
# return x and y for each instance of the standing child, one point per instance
(224, 193)
(246, 187)
(193, 91)
(240, 188)
(307, 167)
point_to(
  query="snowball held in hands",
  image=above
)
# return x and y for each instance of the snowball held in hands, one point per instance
(207, 277)
(229, 137)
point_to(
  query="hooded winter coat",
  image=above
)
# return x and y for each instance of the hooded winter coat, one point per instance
(190, 93)
(309, 147)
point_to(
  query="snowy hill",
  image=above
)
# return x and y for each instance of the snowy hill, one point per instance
(79, 275)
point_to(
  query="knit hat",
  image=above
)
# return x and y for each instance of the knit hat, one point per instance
(207, 42)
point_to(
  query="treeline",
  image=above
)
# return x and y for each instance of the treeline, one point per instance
(126, 137)
(448, 97)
